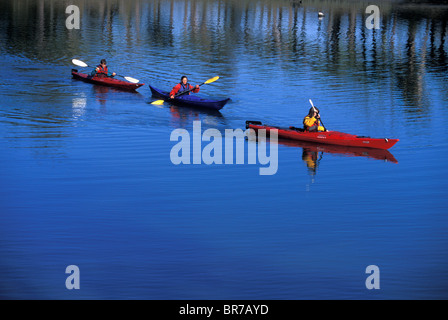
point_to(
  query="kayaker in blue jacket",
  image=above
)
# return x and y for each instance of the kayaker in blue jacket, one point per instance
(102, 71)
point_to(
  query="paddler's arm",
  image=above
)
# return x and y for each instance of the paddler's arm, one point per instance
(94, 71)
(320, 126)
(174, 91)
(195, 89)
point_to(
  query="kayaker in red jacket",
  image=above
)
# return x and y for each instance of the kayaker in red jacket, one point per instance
(183, 86)
(312, 121)
(102, 71)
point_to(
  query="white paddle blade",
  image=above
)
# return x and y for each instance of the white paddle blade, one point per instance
(157, 102)
(132, 80)
(79, 63)
(312, 105)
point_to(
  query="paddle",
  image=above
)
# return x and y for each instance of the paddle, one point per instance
(319, 117)
(82, 64)
(160, 102)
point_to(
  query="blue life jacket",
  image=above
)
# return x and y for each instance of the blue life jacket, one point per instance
(183, 87)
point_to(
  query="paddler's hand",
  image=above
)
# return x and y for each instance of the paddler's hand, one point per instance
(172, 96)
(197, 86)
(113, 74)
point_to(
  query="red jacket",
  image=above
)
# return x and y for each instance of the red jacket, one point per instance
(181, 88)
(102, 72)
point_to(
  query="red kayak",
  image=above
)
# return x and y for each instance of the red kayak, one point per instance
(106, 81)
(328, 137)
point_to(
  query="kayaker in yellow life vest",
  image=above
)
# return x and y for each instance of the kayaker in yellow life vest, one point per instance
(312, 121)
(102, 71)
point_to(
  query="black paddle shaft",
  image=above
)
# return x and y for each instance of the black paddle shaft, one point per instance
(322, 123)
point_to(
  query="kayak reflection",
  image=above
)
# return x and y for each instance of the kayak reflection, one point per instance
(182, 117)
(311, 159)
(311, 150)
(103, 93)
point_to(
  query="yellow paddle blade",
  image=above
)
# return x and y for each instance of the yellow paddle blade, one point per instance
(158, 102)
(211, 80)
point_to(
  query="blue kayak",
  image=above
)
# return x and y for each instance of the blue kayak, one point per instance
(187, 100)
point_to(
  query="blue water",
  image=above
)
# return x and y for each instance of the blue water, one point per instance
(86, 176)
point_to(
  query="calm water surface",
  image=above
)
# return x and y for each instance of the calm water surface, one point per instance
(86, 177)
